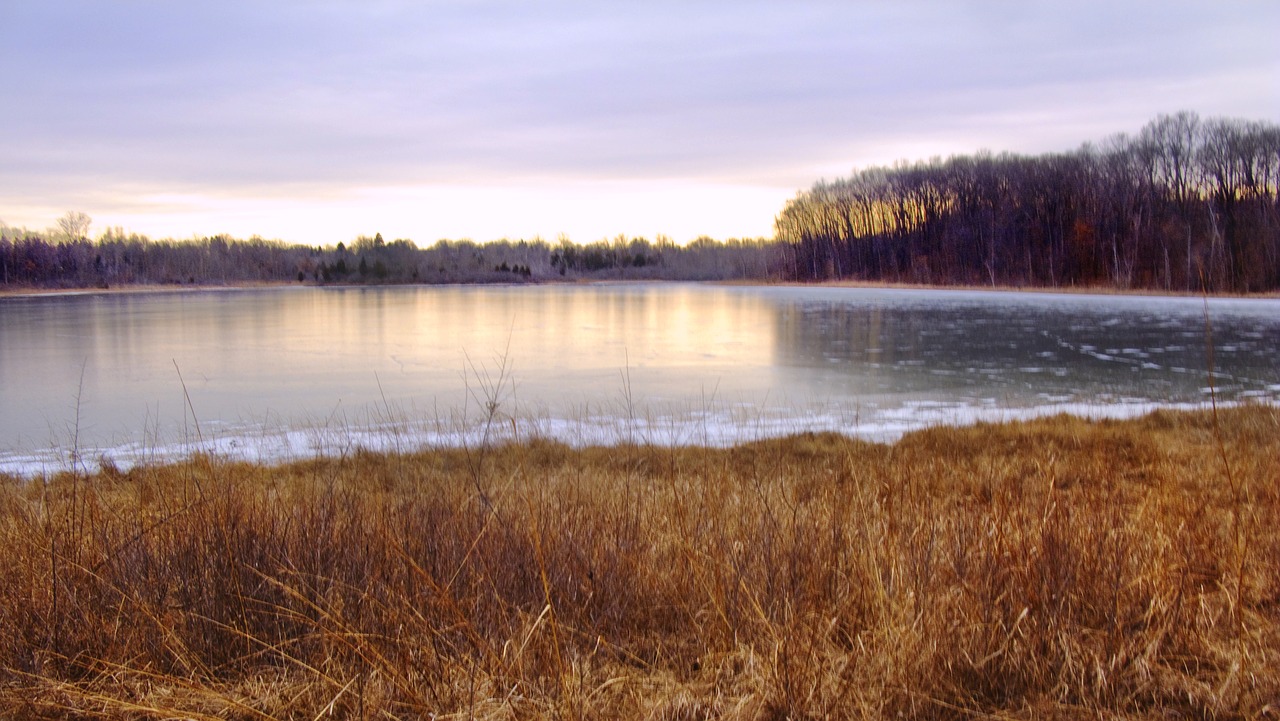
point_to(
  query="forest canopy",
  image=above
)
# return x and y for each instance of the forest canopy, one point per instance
(1186, 204)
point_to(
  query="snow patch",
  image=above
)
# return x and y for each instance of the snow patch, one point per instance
(718, 427)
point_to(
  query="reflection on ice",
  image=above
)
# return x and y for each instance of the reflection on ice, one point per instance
(285, 374)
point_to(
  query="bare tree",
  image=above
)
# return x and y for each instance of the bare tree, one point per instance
(74, 225)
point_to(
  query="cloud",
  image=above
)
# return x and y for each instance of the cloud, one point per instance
(249, 97)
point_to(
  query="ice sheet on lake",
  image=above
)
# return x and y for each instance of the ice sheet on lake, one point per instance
(276, 376)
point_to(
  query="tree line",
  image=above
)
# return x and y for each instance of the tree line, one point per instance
(1186, 204)
(66, 258)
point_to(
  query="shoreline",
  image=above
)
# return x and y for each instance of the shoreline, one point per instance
(1045, 290)
(147, 288)
(142, 288)
(275, 448)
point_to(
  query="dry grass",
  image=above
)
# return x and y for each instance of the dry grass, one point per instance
(1051, 569)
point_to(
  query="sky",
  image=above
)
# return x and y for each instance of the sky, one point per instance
(316, 122)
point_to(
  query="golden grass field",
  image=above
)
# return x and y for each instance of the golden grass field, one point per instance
(1056, 568)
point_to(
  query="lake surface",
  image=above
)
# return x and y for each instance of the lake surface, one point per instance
(289, 372)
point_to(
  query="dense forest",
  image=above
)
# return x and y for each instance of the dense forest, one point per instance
(1187, 204)
(64, 259)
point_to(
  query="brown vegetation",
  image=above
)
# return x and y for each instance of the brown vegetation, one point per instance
(1057, 568)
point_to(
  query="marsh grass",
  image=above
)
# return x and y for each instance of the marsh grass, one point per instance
(1053, 568)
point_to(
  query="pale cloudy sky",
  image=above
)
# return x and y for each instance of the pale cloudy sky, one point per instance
(319, 121)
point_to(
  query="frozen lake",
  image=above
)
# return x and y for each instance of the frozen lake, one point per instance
(289, 372)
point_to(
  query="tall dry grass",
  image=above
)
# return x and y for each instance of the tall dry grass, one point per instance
(1051, 569)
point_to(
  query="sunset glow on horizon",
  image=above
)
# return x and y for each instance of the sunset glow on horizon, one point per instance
(582, 212)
